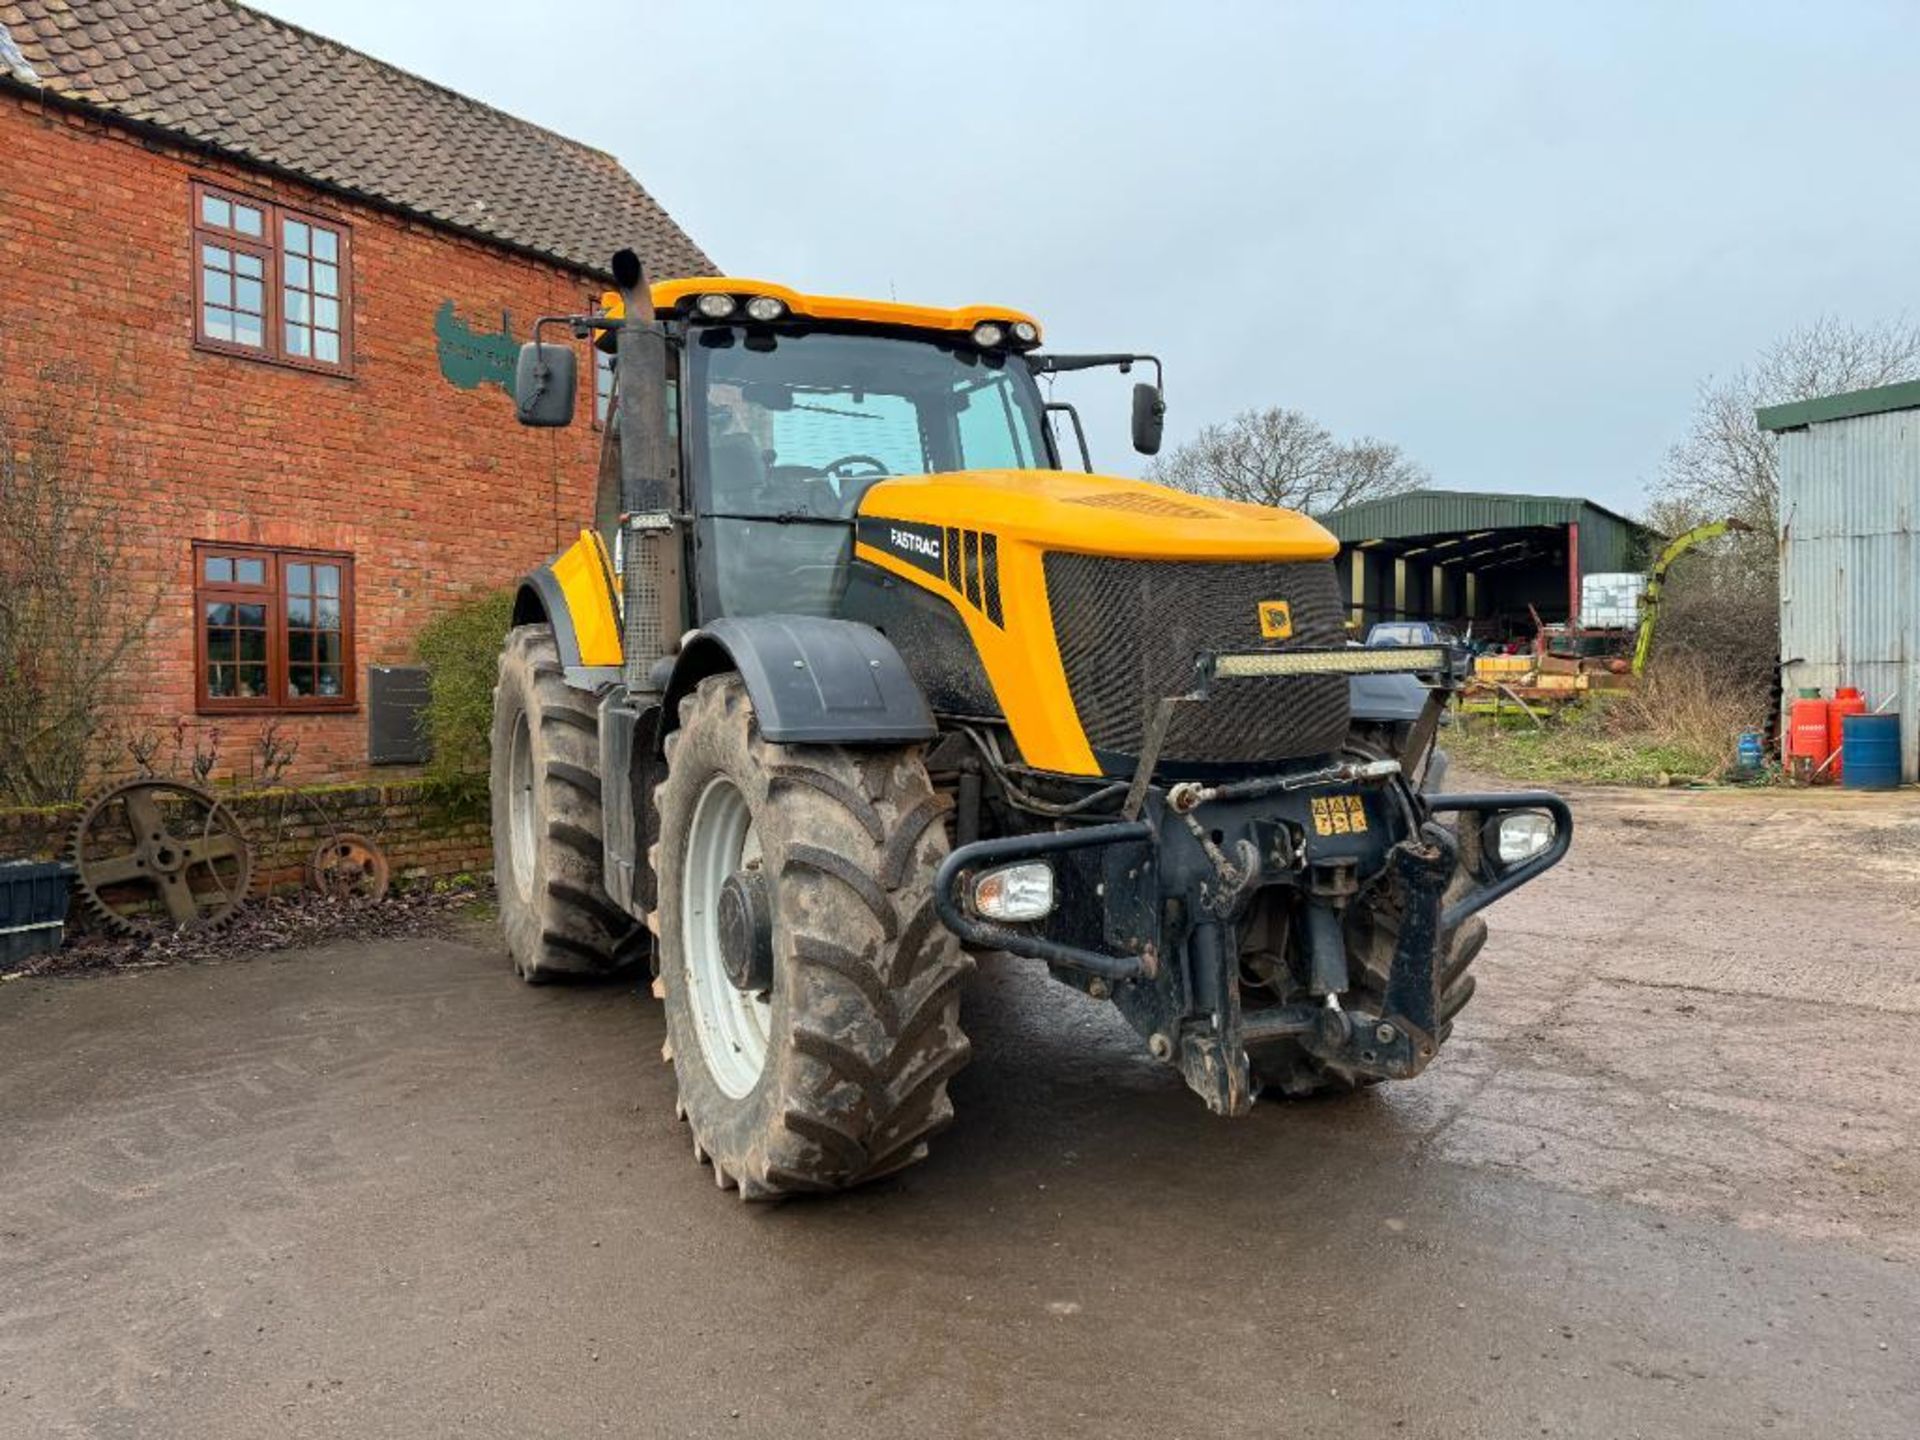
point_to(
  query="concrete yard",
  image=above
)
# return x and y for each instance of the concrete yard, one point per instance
(1664, 1182)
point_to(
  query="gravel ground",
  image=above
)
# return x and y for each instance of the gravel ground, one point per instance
(1664, 1182)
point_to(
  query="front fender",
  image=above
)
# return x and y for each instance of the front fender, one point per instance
(813, 681)
(575, 594)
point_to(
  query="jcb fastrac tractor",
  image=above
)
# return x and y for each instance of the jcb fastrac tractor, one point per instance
(853, 677)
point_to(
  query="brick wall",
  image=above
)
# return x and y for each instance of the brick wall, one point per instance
(435, 490)
(421, 839)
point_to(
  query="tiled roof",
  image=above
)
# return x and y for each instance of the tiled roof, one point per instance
(257, 88)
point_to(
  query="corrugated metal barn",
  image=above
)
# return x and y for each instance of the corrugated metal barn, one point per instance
(1459, 556)
(1850, 560)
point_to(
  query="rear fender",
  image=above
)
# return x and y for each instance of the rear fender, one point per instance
(576, 594)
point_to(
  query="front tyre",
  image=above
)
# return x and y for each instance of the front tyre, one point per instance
(812, 994)
(546, 820)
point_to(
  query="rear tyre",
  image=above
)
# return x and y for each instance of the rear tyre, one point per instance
(546, 821)
(829, 1067)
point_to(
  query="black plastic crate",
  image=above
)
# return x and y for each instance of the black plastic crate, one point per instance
(33, 909)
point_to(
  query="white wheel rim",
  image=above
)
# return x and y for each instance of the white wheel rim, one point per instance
(733, 1026)
(520, 806)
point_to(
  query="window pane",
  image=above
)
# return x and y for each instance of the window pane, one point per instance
(248, 265)
(219, 569)
(296, 273)
(326, 279)
(253, 646)
(218, 613)
(215, 211)
(296, 237)
(246, 220)
(300, 680)
(252, 680)
(247, 330)
(250, 296)
(299, 579)
(328, 647)
(299, 610)
(215, 257)
(326, 346)
(326, 244)
(296, 303)
(250, 572)
(296, 339)
(252, 616)
(327, 615)
(217, 323)
(220, 681)
(219, 287)
(330, 680)
(327, 579)
(221, 644)
(300, 647)
(326, 313)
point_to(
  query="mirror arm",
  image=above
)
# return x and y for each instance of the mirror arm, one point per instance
(1061, 364)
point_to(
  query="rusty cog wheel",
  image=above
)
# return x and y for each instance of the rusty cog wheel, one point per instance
(156, 857)
(348, 867)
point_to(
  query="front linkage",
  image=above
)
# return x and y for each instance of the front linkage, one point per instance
(1154, 909)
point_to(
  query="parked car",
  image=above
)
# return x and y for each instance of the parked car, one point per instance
(1425, 632)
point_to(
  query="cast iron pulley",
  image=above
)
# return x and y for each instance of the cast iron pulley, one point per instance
(348, 867)
(156, 857)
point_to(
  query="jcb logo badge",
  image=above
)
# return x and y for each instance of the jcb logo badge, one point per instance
(1276, 620)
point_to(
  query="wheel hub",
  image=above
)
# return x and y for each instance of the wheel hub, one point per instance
(745, 922)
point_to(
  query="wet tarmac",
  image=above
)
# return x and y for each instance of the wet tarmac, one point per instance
(1664, 1183)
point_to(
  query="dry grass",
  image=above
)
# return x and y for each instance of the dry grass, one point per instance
(1679, 725)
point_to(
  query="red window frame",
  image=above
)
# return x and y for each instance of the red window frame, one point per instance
(271, 593)
(270, 248)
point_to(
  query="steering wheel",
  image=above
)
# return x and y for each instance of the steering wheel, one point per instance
(833, 467)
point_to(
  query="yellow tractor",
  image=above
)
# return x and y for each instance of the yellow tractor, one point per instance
(854, 678)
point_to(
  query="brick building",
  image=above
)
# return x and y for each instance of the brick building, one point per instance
(267, 290)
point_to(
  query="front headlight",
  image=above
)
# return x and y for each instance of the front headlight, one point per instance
(1521, 836)
(1015, 892)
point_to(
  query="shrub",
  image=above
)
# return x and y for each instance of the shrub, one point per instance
(70, 620)
(461, 650)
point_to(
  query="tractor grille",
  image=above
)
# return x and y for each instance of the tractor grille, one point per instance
(1130, 630)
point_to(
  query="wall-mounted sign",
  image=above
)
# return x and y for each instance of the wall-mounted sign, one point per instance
(470, 358)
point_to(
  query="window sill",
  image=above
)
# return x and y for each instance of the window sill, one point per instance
(261, 357)
(261, 707)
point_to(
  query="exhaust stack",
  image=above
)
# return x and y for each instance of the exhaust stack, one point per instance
(650, 482)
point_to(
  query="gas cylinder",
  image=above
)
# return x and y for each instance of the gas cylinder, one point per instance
(1807, 742)
(1846, 701)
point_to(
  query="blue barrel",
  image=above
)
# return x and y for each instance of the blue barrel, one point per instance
(1873, 752)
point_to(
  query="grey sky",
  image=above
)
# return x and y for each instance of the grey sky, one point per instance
(1512, 239)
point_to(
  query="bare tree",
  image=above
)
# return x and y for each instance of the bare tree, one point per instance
(1727, 464)
(1282, 457)
(70, 619)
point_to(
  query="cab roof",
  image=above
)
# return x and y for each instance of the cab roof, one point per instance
(671, 295)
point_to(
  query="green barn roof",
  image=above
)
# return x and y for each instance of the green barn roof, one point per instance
(1609, 541)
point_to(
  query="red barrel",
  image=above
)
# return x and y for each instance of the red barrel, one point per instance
(1846, 701)
(1807, 735)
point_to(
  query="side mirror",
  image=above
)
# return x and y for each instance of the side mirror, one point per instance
(1149, 418)
(544, 381)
